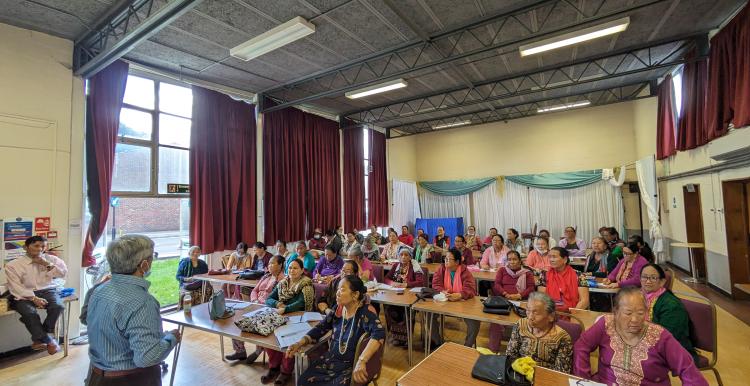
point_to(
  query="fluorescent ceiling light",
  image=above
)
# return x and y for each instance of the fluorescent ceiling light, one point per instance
(272, 39)
(378, 88)
(563, 107)
(575, 37)
(451, 125)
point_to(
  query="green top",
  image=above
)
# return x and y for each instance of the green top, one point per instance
(453, 276)
(592, 265)
(421, 255)
(670, 313)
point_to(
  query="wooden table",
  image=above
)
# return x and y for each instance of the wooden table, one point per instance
(450, 364)
(199, 319)
(230, 278)
(392, 298)
(744, 287)
(548, 377)
(690, 247)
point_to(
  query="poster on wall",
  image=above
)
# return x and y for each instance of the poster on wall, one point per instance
(15, 232)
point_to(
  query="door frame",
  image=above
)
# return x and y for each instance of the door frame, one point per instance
(698, 254)
(737, 231)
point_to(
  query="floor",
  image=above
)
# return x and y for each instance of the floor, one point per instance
(200, 363)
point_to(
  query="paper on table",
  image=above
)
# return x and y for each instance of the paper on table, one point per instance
(416, 289)
(574, 382)
(237, 305)
(251, 313)
(289, 334)
(312, 317)
(295, 319)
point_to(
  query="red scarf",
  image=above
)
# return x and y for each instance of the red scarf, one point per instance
(563, 286)
(456, 286)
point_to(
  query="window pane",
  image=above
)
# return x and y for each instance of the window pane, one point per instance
(174, 131)
(176, 100)
(173, 167)
(135, 124)
(139, 92)
(132, 168)
(366, 143)
(677, 89)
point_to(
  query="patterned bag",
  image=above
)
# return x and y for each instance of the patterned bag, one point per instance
(263, 322)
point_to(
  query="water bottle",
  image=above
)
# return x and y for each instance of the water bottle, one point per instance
(187, 302)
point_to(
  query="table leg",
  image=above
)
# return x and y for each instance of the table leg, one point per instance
(221, 345)
(203, 291)
(428, 340)
(66, 328)
(176, 354)
(407, 311)
(694, 278)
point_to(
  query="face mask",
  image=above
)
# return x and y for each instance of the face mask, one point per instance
(317, 236)
(541, 250)
(471, 233)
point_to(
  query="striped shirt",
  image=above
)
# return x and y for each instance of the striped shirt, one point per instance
(124, 326)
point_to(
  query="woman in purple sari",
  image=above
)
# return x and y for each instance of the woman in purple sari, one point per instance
(633, 351)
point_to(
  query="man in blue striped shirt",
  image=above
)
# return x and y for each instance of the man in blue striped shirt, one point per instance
(126, 341)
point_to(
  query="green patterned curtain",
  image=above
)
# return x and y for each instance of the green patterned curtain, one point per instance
(455, 188)
(558, 180)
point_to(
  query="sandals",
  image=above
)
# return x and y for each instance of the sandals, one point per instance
(270, 376)
(282, 379)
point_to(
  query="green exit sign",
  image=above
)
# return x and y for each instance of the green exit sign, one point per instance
(178, 188)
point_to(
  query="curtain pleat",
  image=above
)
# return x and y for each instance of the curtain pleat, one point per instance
(665, 138)
(354, 179)
(435, 206)
(377, 190)
(322, 173)
(692, 132)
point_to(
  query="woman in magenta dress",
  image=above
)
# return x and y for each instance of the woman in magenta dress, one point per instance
(633, 351)
(628, 270)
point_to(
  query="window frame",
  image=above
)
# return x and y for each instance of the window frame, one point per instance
(152, 144)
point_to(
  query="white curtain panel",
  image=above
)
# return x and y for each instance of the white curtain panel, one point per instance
(646, 170)
(405, 206)
(501, 210)
(436, 206)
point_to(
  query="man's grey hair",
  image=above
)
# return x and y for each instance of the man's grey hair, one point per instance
(126, 253)
(355, 251)
(542, 297)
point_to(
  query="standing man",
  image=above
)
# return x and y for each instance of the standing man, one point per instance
(31, 288)
(126, 341)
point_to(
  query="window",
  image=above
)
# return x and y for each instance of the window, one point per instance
(677, 88)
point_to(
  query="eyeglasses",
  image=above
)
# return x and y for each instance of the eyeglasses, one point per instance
(650, 278)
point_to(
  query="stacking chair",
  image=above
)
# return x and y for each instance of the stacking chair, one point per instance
(377, 272)
(703, 326)
(669, 276)
(574, 327)
(374, 365)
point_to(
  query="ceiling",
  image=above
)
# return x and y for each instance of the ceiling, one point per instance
(459, 57)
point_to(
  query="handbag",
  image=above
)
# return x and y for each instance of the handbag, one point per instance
(218, 271)
(251, 274)
(427, 293)
(263, 322)
(193, 285)
(497, 305)
(217, 306)
(491, 368)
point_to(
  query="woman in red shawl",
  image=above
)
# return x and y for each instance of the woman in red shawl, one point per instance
(457, 283)
(562, 283)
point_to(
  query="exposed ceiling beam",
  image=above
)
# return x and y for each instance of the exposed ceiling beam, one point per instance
(392, 63)
(94, 52)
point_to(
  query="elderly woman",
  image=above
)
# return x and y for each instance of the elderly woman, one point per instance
(497, 255)
(442, 240)
(562, 283)
(352, 319)
(628, 270)
(281, 248)
(512, 282)
(188, 267)
(513, 240)
(539, 337)
(317, 242)
(600, 262)
(423, 250)
(406, 274)
(370, 246)
(538, 259)
(365, 266)
(259, 294)
(472, 239)
(292, 293)
(575, 246)
(633, 351)
(664, 308)
(327, 302)
(457, 283)
(466, 252)
(390, 251)
(329, 266)
(302, 254)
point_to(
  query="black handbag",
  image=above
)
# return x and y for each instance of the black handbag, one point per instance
(491, 368)
(497, 305)
(252, 274)
(427, 293)
(193, 285)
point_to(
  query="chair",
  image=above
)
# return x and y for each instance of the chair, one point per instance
(377, 272)
(703, 325)
(225, 261)
(574, 327)
(436, 257)
(320, 292)
(374, 365)
(669, 276)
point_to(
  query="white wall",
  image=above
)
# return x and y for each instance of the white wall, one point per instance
(41, 148)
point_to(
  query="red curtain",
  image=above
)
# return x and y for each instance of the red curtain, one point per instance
(354, 179)
(692, 132)
(729, 77)
(323, 173)
(222, 172)
(665, 145)
(377, 189)
(103, 103)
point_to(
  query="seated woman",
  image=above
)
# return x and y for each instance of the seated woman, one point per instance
(550, 240)
(352, 319)
(488, 240)
(365, 266)
(259, 294)
(496, 256)
(317, 242)
(406, 274)
(261, 257)
(457, 283)
(281, 249)
(613, 238)
(293, 293)
(406, 237)
(514, 241)
(539, 337)
(329, 266)
(369, 246)
(633, 351)
(538, 259)
(628, 270)
(390, 251)
(664, 308)
(376, 237)
(442, 241)
(240, 259)
(303, 255)
(513, 282)
(327, 302)
(643, 248)
(466, 252)
(472, 240)
(187, 267)
(600, 262)
(575, 246)
(349, 243)
(562, 283)
(423, 250)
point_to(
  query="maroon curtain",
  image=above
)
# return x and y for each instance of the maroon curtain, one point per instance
(354, 179)
(284, 171)
(729, 77)
(222, 172)
(103, 103)
(665, 145)
(323, 173)
(692, 132)
(377, 189)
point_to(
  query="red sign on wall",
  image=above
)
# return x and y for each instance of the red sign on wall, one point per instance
(41, 224)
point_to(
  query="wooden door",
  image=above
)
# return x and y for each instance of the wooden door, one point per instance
(738, 235)
(694, 224)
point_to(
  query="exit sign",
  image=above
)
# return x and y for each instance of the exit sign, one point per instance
(178, 188)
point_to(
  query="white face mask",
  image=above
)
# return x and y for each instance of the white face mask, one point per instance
(317, 236)
(471, 233)
(541, 250)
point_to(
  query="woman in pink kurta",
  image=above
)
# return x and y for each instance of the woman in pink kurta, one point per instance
(633, 351)
(496, 255)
